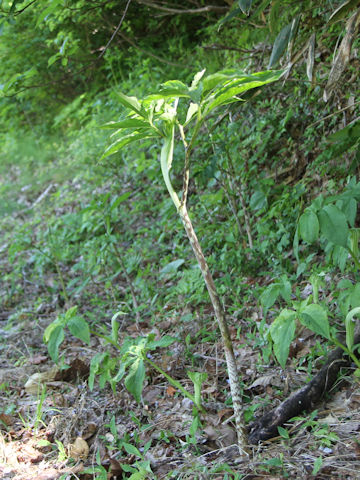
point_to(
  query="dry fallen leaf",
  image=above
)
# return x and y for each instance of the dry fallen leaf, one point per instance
(35, 382)
(170, 391)
(79, 449)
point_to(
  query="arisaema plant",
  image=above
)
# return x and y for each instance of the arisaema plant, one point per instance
(157, 117)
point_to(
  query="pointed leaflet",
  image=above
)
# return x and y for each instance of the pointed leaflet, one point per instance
(198, 76)
(280, 44)
(309, 226)
(172, 88)
(282, 333)
(127, 123)
(221, 77)
(193, 108)
(315, 318)
(333, 225)
(79, 328)
(239, 85)
(126, 139)
(131, 103)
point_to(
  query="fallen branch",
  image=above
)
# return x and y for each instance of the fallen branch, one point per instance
(303, 399)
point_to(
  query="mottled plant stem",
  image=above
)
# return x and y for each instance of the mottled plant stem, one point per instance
(214, 297)
(225, 334)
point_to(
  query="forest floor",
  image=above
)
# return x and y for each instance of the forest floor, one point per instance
(53, 426)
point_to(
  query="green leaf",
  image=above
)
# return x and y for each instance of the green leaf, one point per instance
(350, 327)
(197, 77)
(234, 13)
(166, 159)
(172, 266)
(258, 200)
(13, 5)
(283, 432)
(132, 103)
(245, 5)
(333, 225)
(134, 380)
(131, 450)
(285, 288)
(127, 123)
(350, 211)
(56, 337)
(296, 246)
(269, 295)
(48, 11)
(79, 328)
(317, 465)
(126, 140)
(193, 108)
(227, 94)
(140, 475)
(121, 198)
(173, 88)
(165, 341)
(70, 312)
(309, 226)
(355, 296)
(95, 364)
(315, 318)
(282, 332)
(280, 44)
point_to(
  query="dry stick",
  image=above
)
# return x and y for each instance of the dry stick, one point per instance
(303, 399)
(219, 312)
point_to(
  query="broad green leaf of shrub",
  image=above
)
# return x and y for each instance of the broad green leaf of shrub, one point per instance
(131, 449)
(79, 328)
(269, 295)
(315, 318)
(282, 332)
(165, 341)
(55, 338)
(309, 226)
(258, 200)
(172, 266)
(333, 225)
(134, 380)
